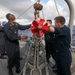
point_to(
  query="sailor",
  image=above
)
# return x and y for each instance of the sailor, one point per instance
(62, 46)
(2, 42)
(12, 43)
(48, 41)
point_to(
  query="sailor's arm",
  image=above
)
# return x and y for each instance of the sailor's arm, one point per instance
(52, 29)
(23, 27)
(57, 31)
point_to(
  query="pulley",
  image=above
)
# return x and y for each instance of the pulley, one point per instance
(38, 6)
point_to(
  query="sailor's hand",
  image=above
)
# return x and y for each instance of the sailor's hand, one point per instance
(23, 37)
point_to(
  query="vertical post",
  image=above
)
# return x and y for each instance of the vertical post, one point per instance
(71, 20)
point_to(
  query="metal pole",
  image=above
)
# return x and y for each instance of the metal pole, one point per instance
(71, 20)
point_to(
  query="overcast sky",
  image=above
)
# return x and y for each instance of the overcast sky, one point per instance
(17, 7)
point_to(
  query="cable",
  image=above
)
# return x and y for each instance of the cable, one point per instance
(43, 14)
(56, 7)
(26, 11)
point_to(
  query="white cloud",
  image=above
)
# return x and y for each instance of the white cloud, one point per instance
(23, 21)
(50, 11)
(3, 12)
(20, 6)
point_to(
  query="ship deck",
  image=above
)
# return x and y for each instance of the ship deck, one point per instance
(24, 49)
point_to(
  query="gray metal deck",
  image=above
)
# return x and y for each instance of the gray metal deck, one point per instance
(3, 62)
(24, 49)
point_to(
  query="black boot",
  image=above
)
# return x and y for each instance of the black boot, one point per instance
(2, 56)
(21, 58)
(18, 70)
(10, 72)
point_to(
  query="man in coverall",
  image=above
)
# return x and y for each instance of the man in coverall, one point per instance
(12, 43)
(62, 46)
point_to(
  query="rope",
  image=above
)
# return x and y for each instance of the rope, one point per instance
(43, 14)
(25, 11)
(56, 7)
(29, 8)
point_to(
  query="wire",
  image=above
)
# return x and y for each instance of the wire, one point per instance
(26, 11)
(43, 14)
(56, 7)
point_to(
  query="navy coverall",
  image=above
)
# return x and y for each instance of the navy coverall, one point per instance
(2, 41)
(12, 43)
(62, 50)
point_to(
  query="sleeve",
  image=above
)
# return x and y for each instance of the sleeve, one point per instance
(21, 27)
(1, 29)
(11, 35)
(60, 31)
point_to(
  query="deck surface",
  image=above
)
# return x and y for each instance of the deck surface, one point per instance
(24, 49)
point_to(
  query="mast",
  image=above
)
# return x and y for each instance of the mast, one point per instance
(71, 17)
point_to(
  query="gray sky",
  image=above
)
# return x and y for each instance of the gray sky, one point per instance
(19, 6)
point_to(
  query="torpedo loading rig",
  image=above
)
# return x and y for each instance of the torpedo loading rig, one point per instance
(35, 62)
